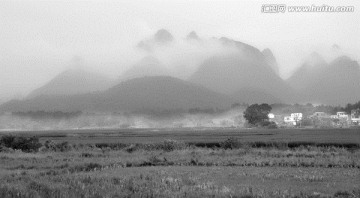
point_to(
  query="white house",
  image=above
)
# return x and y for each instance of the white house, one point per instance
(289, 119)
(340, 115)
(271, 116)
(294, 118)
(297, 116)
(355, 116)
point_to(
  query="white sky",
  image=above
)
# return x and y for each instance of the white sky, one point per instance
(39, 38)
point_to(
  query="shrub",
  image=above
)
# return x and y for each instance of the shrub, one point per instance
(7, 140)
(25, 144)
(342, 194)
(113, 146)
(267, 124)
(167, 146)
(230, 143)
(131, 148)
(86, 155)
(171, 145)
(57, 147)
(85, 167)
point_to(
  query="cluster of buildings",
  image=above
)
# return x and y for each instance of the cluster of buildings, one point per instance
(341, 119)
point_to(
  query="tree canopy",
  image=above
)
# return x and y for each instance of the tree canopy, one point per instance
(256, 113)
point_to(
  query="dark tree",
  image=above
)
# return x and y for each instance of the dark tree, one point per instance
(256, 113)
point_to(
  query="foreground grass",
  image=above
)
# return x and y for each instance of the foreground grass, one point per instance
(186, 182)
(173, 169)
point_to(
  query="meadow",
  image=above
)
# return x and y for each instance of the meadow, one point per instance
(184, 163)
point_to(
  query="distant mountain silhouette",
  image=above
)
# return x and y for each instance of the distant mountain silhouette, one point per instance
(271, 60)
(247, 52)
(308, 72)
(73, 81)
(139, 94)
(192, 36)
(337, 83)
(148, 66)
(231, 73)
(253, 95)
(161, 37)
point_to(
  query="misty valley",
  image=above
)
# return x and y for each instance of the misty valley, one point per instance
(105, 99)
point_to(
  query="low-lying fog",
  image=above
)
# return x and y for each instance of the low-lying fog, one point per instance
(230, 118)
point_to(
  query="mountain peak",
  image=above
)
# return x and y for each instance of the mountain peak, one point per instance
(267, 51)
(345, 62)
(163, 35)
(225, 40)
(192, 36)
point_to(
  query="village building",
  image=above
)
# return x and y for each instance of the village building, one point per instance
(340, 115)
(271, 116)
(293, 119)
(355, 116)
(341, 119)
(319, 115)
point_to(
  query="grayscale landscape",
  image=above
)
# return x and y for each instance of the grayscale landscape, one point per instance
(179, 99)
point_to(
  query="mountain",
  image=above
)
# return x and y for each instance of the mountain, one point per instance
(336, 83)
(192, 36)
(231, 73)
(74, 81)
(2, 100)
(164, 92)
(161, 37)
(308, 72)
(253, 95)
(270, 60)
(246, 51)
(148, 66)
(140, 94)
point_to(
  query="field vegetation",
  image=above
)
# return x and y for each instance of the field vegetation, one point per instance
(171, 168)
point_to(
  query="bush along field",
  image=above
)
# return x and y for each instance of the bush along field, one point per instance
(172, 168)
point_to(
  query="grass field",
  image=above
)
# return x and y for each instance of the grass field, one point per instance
(197, 135)
(154, 167)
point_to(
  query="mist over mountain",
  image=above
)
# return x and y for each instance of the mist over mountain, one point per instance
(336, 83)
(73, 81)
(247, 68)
(215, 73)
(148, 66)
(140, 94)
(247, 52)
(161, 37)
(255, 95)
(182, 56)
(308, 72)
(271, 60)
(224, 65)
